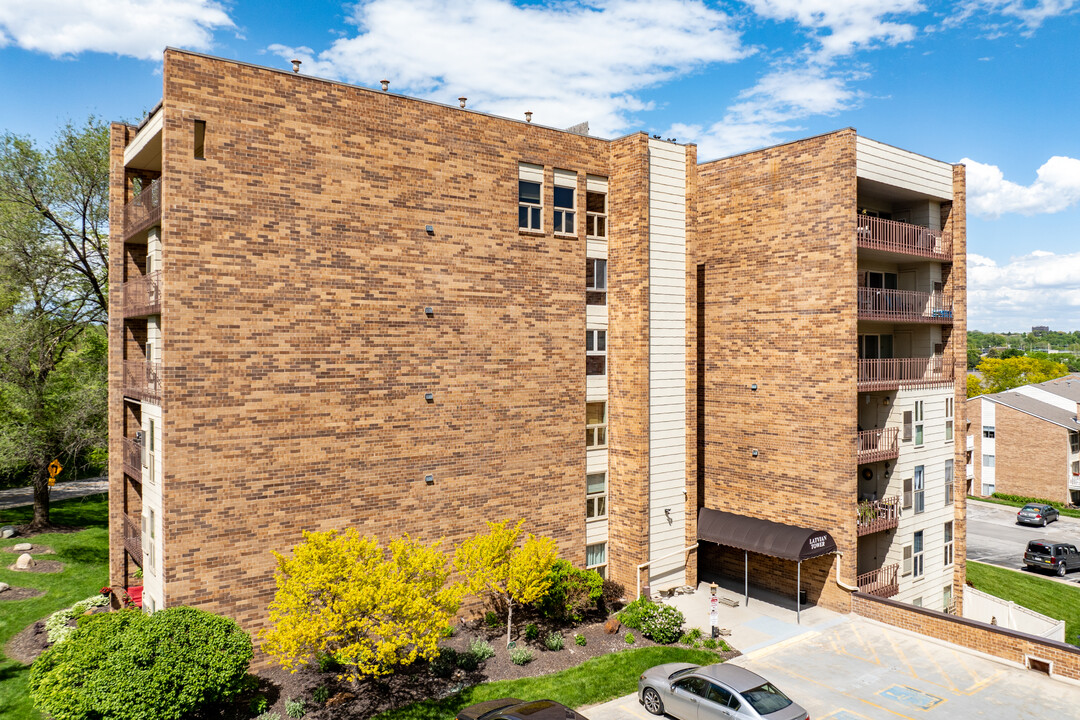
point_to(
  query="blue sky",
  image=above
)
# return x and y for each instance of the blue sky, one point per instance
(993, 83)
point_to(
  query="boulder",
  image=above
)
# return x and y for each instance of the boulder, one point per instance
(612, 625)
(341, 697)
(25, 561)
(4, 586)
(7, 531)
(23, 547)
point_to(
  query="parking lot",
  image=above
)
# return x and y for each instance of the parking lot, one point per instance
(994, 537)
(860, 670)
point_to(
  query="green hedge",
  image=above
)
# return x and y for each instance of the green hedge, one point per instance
(1022, 500)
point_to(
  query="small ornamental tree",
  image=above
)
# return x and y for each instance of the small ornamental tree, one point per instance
(341, 595)
(495, 565)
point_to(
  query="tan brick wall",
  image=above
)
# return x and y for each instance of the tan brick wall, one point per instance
(776, 231)
(999, 642)
(1031, 456)
(956, 348)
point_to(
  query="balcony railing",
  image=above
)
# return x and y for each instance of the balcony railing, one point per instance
(904, 306)
(1074, 481)
(133, 538)
(877, 515)
(142, 296)
(893, 373)
(969, 471)
(144, 210)
(904, 238)
(142, 380)
(132, 458)
(882, 582)
(877, 445)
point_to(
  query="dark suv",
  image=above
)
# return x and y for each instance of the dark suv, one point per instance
(1047, 555)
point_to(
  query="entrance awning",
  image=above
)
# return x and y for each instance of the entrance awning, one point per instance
(764, 537)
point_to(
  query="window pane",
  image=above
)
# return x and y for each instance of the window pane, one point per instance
(528, 192)
(535, 219)
(601, 340)
(601, 227)
(594, 413)
(596, 554)
(595, 365)
(948, 532)
(601, 274)
(595, 482)
(601, 506)
(601, 435)
(590, 508)
(589, 340)
(918, 542)
(564, 197)
(594, 202)
(590, 273)
(918, 435)
(569, 225)
(523, 216)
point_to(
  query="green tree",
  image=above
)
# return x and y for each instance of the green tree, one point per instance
(496, 566)
(1000, 374)
(342, 595)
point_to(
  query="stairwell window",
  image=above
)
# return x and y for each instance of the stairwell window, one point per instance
(948, 419)
(906, 567)
(595, 281)
(596, 558)
(988, 460)
(907, 426)
(950, 479)
(596, 425)
(595, 352)
(918, 422)
(596, 496)
(1074, 442)
(530, 184)
(948, 544)
(917, 555)
(920, 489)
(565, 202)
(200, 140)
(152, 545)
(907, 494)
(988, 432)
(596, 208)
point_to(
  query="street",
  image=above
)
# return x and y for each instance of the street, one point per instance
(993, 537)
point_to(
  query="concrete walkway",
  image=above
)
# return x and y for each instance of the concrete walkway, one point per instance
(17, 497)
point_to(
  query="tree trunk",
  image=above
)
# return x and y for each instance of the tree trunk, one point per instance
(509, 618)
(41, 501)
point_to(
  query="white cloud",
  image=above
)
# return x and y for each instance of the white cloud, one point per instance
(1036, 289)
(1056, 187)
(843, 26)
(1029, 15)
(137, 28)
(565, 62)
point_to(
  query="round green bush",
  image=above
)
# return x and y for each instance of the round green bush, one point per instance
(663, 624)
(572, 592)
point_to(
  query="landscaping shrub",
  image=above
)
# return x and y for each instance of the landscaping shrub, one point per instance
(521, 655)
(448, 631)
(663, 624)
(468, 661)
(327, 663)
(57, 625)
(531, 631)
(710, 643)
(259, 704)
(128, 666)
(572, 593)
(321, 694)
(633, 615)
(579, 639)
(268, 716)
(691, 638)
(491, 619)
(481, 649)
(629, 638)
(611, 594)
(1025, 500)
(295, 708)
(443, 665)
(554, 641)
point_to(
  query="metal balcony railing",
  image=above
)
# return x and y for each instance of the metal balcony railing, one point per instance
(904, 238)
(133, 538)
(132, 458)
(904, 306)
(877, 515)
(142, 295)
(142, 380)
(144, 210)
(883, 582)
(893, 373)
(877, 445)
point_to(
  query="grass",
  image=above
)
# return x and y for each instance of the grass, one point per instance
(85, 555)
(594, 681)
(1066, 512)
(1057, 600)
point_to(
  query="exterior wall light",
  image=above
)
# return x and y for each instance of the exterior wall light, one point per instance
(754, 452)
(430, 397)
(429, 311)
(754, 386)
(429, 479)
(430, 229)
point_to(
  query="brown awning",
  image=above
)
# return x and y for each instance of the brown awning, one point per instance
(763, 536)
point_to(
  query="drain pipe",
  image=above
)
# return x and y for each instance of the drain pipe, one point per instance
(840, 582)
(644, 565)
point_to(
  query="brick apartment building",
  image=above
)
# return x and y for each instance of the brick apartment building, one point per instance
(1026, 441)
(334, 306)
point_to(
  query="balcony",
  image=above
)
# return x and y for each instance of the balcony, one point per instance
(877, 445)
(133, 538)
(144, 210)
(970, 443)
(883, 582)
(1074, 481)
(905, 306)
(969, 471)
(132, 459)
(142, 380)
(894, 373)
(142, 296)
(903, 238)
(877, 515)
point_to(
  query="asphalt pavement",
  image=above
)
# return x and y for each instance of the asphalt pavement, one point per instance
(993, 537)
(16, 497)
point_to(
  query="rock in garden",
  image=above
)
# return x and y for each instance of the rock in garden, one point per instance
(341, 697)
(3, 587)
(23, 547)
(7, 531)
(612, 625)
(25, 561)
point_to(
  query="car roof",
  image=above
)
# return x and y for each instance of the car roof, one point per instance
(1038, 505)
(735, 677)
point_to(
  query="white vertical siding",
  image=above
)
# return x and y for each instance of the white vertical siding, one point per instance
(153, 579)
(902, 168)
(667, 362)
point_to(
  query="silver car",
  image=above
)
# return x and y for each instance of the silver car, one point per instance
(721, 691)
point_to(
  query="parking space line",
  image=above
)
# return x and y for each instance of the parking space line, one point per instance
(789, 671)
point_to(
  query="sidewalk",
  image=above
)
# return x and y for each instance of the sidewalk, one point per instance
(17, 497)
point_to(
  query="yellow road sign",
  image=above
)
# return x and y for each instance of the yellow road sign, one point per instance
(54, 468)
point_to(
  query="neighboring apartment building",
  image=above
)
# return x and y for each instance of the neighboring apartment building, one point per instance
(334, 306)
(1026, 441)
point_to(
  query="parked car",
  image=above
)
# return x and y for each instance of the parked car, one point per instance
(1048, 555)
(514, 709)
(1036, 514)
(722, 691)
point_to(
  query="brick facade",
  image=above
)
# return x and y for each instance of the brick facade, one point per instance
(1031, 456)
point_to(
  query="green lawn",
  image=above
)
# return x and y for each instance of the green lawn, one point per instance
(1067, 512)
(594, 681)
(85, 555)
(1059, 601)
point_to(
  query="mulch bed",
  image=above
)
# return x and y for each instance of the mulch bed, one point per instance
(33, 640)
(25, 532)
(20, 593)
(43, 566)
(36, 550)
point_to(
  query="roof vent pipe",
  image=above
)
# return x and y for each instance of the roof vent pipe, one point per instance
(295, 66)
(528, 116)
(461, 100)
(385, 85)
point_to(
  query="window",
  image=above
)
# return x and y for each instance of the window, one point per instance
(918, 422)
(948, 407)
(919, 411)
(907, 494)
(723, 697)
(693, 685)
(917, 555)
(596, 424)
(530, 180)
(596, 558)
(596, 496)
(565, 201)
(988, 431)
(152, 522)
(150, 446)
(150, 606)
(200, 139)
(920, 489)
(1076, 467)
(1074, 442)
(988, 460)
(596, 214)
(906, 570)
(595, 281)
(875, 347)
(907, 425)
(948, 543)
(595, 352)
(917, 602)
(946, 599)
(948, 430)
(950, 479)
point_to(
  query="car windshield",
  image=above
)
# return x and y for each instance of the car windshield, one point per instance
(1037, 548)
(679, 673)
(1033, 508)
(766, 699)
